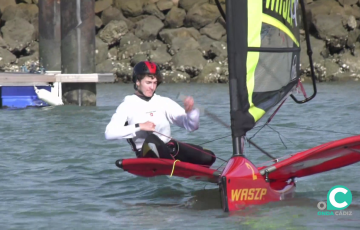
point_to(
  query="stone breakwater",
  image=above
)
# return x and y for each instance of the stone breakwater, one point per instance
(186, 37)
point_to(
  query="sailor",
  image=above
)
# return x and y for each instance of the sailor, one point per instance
(144, 119)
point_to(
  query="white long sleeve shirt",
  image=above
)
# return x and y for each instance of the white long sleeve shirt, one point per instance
(162, 111)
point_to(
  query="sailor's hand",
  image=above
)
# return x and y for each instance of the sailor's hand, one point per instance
(188, 104)
(147, 126)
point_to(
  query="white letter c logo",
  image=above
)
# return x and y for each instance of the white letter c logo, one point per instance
(332, 197)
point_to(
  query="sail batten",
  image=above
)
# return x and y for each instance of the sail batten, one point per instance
(263, 52)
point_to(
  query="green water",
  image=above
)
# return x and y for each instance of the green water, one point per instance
(57, 170)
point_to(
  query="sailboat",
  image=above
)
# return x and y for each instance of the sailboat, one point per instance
(264, 61)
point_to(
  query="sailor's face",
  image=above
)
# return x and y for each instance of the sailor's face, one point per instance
(147, 85)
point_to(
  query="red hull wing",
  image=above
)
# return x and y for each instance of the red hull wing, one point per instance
(332, 155)
(149, 167)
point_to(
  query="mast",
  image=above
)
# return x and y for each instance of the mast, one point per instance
(236, 11)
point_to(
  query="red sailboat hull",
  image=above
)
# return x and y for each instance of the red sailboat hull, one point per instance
(242, 183)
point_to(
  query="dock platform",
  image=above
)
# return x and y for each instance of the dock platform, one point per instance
(17, 89)
(17, 79)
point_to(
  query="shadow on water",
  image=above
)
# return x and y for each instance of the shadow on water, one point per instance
(170, 196)
(177, 196)
(210, 199)
(203, 200)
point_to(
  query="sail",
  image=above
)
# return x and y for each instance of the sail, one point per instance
(263, 52)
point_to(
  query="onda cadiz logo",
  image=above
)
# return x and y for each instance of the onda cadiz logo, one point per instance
(338, 198)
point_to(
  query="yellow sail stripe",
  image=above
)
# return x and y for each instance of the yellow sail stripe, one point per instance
(276, 23)
(254, 40)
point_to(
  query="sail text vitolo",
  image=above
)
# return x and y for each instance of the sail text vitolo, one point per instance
(285, 8)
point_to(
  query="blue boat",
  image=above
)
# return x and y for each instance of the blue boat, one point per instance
(21, 97)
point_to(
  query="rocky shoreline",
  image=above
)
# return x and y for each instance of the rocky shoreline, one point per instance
(186, 37)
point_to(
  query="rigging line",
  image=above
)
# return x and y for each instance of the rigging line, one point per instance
(277, 109)
(215, 140)
(217, 169)
(269, 120)
(250, 142)
(293, 154)
(280, 136)
(216, 118)
(260, 128)
(191, 146)
(213, 116)
(328, 131)
(261, 150)
(206, 112)
(302, 88)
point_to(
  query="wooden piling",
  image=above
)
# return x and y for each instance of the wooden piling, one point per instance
(78, 49)
(49, 35)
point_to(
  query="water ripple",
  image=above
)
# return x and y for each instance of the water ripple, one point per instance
(58, 172)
